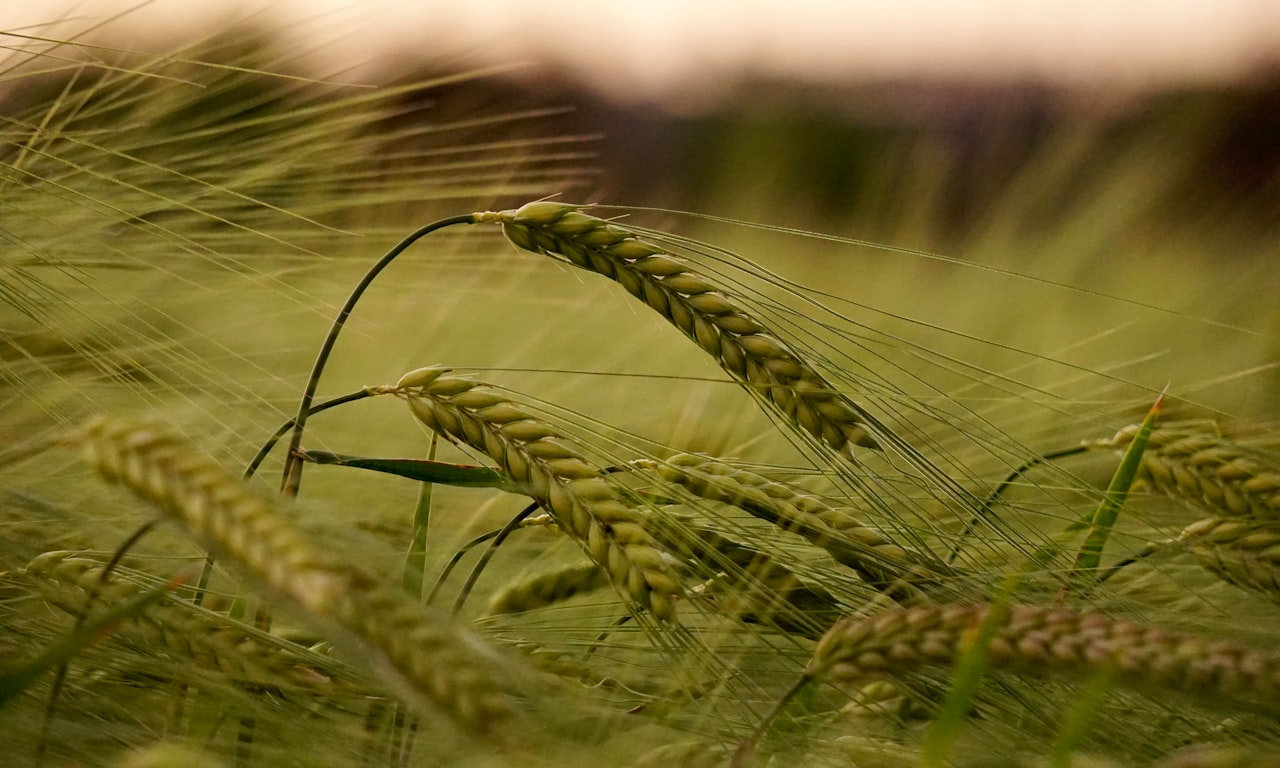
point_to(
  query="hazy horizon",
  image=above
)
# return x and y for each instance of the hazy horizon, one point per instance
(673, 52)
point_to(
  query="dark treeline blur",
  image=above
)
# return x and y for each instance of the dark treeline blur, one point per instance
(927, 162)
(815, 159)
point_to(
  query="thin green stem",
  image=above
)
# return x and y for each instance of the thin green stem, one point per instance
(292, 477)
(252, 468)
(511, 527)
(989, 503)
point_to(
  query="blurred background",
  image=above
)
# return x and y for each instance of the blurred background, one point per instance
(1100, 181)
(884, 115)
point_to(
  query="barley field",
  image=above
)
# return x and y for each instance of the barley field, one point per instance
(338, 431)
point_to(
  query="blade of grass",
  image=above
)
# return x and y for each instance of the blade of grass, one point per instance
(965, 680)
(425, 470)
(1104, 517)
(1083, 713)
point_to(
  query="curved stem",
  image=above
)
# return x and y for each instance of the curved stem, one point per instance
(270, 443)
(512, 525)
(457, 558)
(989, 502)
(293, 465)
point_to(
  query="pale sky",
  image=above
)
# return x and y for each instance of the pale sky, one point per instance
(679, 49)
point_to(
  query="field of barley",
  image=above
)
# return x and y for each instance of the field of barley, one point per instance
(450, 422)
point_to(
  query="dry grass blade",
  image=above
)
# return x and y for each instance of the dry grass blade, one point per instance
(1040, 639)
(743, 346)
(1241, 552)
(1199, 466)
(898, 571)
(424, 654)
(546, 466)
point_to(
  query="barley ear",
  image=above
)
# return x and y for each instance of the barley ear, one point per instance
(546, 465)
(187, 634)
(1038, 639)
(422, 653)
(1216, 474)
(549, 588)
(900, 572)
(717, 322)
(741, 580)
(1242, 552)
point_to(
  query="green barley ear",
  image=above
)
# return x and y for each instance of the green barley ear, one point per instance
(1214, 473)
(742, 581)
(742, 345)
(188, 634)
(1245, 553)
(545, 465)
(898, 571)
(1038, 639)
(544, 589)
(422, 653)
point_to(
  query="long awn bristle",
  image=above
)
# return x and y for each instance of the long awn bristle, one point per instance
(719, 324)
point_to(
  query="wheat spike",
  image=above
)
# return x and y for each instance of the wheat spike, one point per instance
(894, 569)
(1042, 639)
(425, 654)
(712, 319)
(1241, 552)
(545, 465)
(1197, 465)
(549, 588)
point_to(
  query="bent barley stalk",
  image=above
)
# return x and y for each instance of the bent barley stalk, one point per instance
(743, 345)
(425, 654)
(544, 465)
(900, 572)
(1215, 474)
(1241, 552)
(1042, 639)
